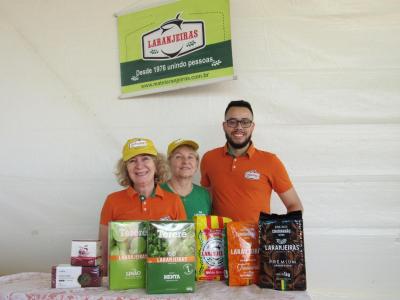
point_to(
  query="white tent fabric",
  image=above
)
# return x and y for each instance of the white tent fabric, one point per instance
(324, 81)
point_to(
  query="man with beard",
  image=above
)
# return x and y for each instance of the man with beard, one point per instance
(241, 177)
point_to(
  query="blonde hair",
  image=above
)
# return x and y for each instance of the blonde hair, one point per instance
(162, 171)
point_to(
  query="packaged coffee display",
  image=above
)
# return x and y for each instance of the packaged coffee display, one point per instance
(86, 253)
(282, 262)
(241, 262)
(127, 242)
(171, 260)
(67, 276)
(210, 247)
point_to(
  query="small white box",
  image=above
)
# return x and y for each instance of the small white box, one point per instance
(86, 253)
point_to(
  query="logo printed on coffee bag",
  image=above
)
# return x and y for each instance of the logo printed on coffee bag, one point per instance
(213, 252)
(133, 273)
(245, 232)
(173, 277)
(281, 241)
(188, 269)
(172, 39)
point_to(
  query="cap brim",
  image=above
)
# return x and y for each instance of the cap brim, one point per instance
(189, 143)
(144, 151)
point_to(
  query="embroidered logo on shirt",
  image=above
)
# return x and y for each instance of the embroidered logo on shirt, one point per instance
(252, 175)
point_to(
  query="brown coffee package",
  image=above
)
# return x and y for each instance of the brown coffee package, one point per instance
(282, 262)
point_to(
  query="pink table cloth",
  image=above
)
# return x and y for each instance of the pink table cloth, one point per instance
(36, 286)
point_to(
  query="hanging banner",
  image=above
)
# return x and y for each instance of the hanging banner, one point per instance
(174, 45)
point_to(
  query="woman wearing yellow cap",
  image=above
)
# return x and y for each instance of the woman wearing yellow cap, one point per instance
(140, 170)
(184, 161)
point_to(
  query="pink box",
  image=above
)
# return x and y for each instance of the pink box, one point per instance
(86, 253)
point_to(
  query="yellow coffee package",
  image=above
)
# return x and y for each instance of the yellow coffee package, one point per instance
(210, 247)
(242, 260)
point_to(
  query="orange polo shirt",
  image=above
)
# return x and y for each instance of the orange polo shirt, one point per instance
(125, 205)
(241, 186)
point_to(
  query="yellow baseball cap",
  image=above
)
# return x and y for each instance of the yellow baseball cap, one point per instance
(179, 142)
(138, 146)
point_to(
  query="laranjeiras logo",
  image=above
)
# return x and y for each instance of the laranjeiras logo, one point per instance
(172, 39)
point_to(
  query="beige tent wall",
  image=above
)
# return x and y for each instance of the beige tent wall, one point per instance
(324, 81)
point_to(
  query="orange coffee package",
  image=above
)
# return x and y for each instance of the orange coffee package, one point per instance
(242, 262)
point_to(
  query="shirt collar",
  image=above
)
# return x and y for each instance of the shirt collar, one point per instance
(249, 152)
(157, 192)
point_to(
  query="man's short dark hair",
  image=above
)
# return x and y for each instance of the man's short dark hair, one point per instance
(239, 103)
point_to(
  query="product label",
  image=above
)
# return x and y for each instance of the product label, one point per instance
(282, 252)
(210, 247)
(86, 253)
(242, 254)
(127, 254)
(171, 260)
(67, 277)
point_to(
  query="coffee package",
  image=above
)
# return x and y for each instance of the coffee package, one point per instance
(127, 254)
(171, 257)
(210, 247)
(67, 276)
(86, 253)
(282, 261)
(241, 258)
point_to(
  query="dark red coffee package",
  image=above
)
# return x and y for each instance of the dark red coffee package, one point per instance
(67, 276)
(282, 261)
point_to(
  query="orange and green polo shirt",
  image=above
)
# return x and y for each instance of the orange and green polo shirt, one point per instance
(241, 186)
(125, 205)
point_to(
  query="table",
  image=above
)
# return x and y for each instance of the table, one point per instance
(36, 286)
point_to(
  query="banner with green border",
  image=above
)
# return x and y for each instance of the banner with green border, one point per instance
(175, 45)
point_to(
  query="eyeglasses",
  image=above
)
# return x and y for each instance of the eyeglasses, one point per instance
(246, 123)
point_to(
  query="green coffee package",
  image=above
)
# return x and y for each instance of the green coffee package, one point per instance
(171, 257)
(127, 242)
